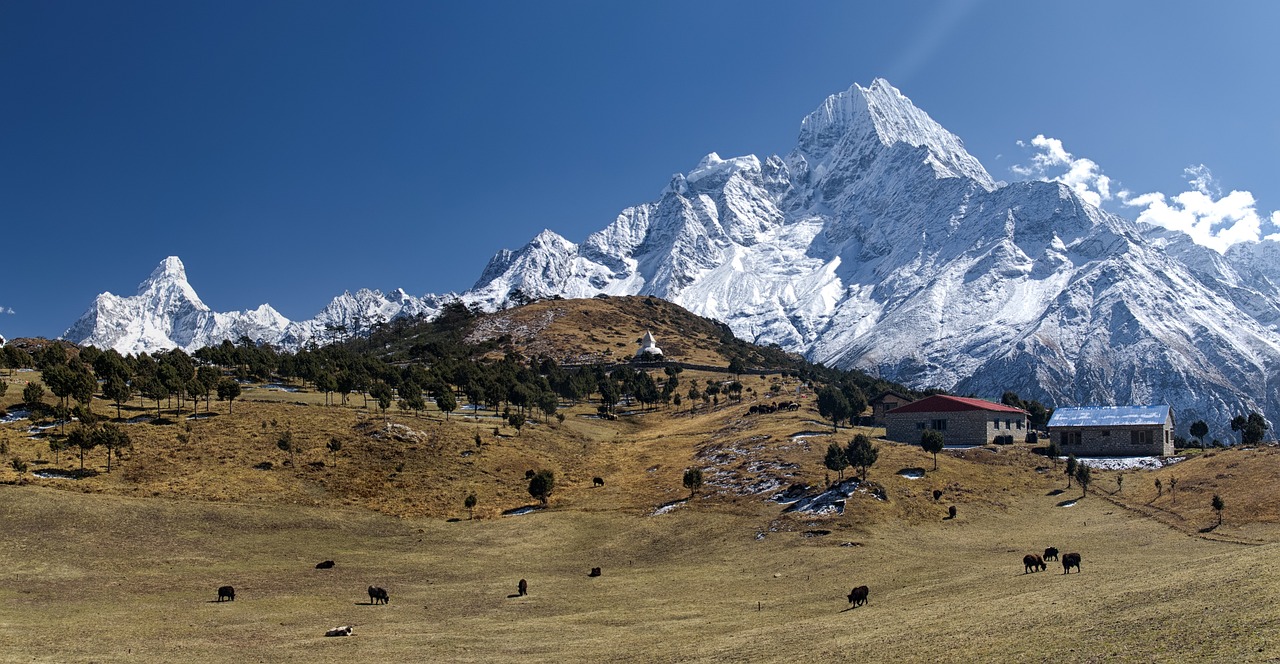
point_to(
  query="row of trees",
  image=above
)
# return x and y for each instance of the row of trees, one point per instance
(160, 377)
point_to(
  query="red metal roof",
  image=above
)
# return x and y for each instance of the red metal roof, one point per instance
(941, 403)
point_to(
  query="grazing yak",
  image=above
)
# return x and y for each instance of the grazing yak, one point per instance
(522, 588)
(328, 564)
(1033, 563)
(1070, 560)
(597, 481)
(1051, 553)
(378, 595)
(858, 596)
(226, 593)
(595, 571)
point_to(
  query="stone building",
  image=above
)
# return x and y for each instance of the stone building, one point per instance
(884, 403)
(960, 420)
(1113, 430)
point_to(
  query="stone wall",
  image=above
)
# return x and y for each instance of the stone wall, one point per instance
(1114, 441)
(969, 427)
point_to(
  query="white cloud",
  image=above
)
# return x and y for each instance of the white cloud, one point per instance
(7, 310)
(1211, 219)
(1052, 163)
(1203, 212)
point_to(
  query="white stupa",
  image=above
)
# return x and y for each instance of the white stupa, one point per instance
(648, 348)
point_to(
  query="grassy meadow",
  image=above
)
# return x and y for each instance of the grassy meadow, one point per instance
(124, 566)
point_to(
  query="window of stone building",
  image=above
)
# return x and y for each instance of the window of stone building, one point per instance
(1140, 438)
(939, 425)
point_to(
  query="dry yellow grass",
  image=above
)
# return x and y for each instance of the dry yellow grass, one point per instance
(101, 578)
(124, 566)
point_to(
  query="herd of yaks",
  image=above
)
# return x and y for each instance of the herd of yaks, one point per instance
(377, 595)
(1032, 562)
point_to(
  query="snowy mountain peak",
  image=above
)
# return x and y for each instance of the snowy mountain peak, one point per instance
(712, 165)
(168, 287)
(847, 121)
(549, 239)
(879, 243)
(166, 313)
(170, 268)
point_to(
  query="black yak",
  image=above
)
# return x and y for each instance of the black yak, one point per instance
(858, 596)
(226, 593)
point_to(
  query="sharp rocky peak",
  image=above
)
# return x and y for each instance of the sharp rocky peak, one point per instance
(859, 118)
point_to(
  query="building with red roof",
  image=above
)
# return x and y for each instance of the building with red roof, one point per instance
(960, 420)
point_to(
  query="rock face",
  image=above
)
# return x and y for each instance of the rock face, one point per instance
(166, 313)
(880, 243)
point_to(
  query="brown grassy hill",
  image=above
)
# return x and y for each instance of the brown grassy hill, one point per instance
(409, 465)
(606, 330)
(123, 565)
(1243, 477)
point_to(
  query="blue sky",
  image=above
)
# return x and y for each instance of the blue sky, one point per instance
(288, 151)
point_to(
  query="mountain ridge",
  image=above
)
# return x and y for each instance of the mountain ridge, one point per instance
(879, 243)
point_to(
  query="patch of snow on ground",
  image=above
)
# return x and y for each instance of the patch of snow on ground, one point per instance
(14, 416)
(1068, 503)
(911, 473)
(1127, 463)
(39, 429)
(279, 388)
(528, 509)
(668, 507)
(830, 501)
(54, 474)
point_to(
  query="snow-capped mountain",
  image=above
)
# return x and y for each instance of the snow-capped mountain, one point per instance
(877, 243)
(166, 313)
(880, 243)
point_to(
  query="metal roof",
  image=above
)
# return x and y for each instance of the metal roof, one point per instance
(1110, 416)
(941, 403)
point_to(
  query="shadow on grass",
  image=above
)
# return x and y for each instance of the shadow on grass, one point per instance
(1209, 529)
(1056, 492)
